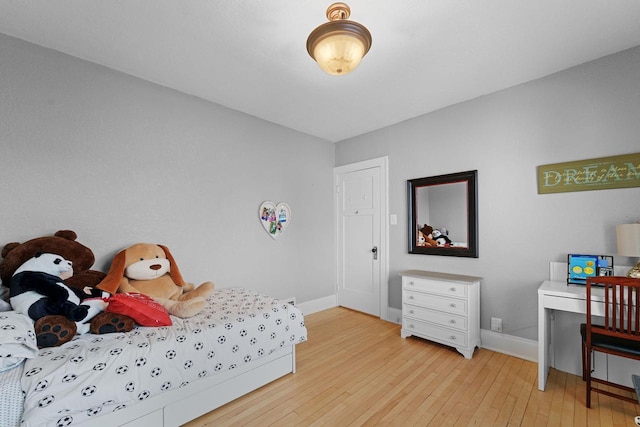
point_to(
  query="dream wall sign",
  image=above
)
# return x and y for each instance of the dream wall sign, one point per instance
(274, 218)
(593, 174)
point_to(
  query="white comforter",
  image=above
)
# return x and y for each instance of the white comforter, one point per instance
(96, 374)
(17, 339)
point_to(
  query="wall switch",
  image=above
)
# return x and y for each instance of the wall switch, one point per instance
(496, 324)
(393, 219)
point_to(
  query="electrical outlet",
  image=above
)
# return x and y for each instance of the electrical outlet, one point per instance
(496, 324)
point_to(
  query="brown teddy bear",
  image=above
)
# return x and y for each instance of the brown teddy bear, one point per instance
(427, 236)
(150, 269)
(54, 330)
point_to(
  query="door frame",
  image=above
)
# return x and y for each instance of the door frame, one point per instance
(383, 251)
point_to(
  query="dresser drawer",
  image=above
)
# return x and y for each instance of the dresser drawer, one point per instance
(445, 319)
(435, 287)
(440, 334)
(449, 305)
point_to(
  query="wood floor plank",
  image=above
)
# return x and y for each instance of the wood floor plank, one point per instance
(580, 410)
(524, 384)
(356, 370)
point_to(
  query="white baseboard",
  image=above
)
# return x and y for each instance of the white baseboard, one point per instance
(319, 304)
(394, 315)
(508, 344)
(502, 343)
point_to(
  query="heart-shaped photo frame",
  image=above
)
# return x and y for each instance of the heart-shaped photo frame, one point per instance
(275, 218)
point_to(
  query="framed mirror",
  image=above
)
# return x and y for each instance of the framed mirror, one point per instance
(443, 217)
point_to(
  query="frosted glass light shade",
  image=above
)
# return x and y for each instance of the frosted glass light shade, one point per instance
(337, 50)
(339, 45)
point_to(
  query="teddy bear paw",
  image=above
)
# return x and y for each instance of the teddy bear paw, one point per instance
(107, 323)
(53, 330)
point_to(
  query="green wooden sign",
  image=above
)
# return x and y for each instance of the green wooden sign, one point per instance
(593, 174)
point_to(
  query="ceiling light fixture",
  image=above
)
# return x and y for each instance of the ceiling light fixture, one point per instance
(339, 45)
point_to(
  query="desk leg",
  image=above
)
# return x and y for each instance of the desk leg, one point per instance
(543, 343)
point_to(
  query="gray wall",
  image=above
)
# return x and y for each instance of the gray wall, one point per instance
(592, 110)
(120, 161)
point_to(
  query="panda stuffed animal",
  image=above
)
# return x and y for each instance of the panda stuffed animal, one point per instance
(36, 289)
(440, 236)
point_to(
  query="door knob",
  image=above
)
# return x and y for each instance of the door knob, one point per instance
(375, 252)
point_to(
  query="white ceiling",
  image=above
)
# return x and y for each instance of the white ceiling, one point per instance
(250, 55)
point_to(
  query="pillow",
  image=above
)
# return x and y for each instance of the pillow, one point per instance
(141, 308)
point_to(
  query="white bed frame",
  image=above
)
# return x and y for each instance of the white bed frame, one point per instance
(176, 407)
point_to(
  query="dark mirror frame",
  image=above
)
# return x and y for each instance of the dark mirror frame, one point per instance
(471, 179)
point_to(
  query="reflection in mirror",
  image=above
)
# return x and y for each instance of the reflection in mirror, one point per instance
(443, 215)
(444, 208)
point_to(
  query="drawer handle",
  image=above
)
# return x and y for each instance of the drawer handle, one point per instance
(453, 321)
(410, 311)
(411, 283)
(411, 326)
(412, 297)
(453, 289)
(453, 304)
(453, 337)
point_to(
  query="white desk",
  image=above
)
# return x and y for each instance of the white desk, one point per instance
(560, 296)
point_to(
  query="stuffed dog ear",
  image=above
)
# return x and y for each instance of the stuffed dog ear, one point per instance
(112, 281)
(174, 271)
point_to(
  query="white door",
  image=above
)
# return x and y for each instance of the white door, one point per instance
(361, 236)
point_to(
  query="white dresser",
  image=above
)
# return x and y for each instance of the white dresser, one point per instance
(442, 307)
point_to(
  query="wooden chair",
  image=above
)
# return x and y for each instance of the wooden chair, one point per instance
(620, 334)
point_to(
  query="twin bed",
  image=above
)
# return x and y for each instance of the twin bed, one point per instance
(160, 376)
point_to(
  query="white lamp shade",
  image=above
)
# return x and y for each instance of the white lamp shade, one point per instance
(628, 236)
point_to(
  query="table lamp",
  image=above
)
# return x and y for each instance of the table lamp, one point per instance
(628, 236)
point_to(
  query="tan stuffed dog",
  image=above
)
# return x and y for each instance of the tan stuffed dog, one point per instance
(150, 269)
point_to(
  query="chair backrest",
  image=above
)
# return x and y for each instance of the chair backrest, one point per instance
(621, 306)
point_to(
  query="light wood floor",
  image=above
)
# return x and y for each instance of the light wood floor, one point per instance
(356, 370)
